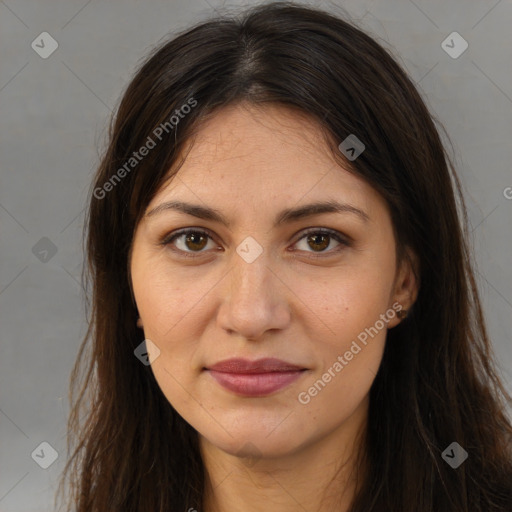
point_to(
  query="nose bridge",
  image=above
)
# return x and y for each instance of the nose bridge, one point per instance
(252, 302)
(251, 279)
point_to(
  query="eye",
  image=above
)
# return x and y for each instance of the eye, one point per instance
(319, 239)
(193, 240)
(189, 241)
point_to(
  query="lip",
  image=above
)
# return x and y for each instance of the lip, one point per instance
(255, 378)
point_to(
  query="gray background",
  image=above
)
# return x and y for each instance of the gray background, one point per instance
(54, 113)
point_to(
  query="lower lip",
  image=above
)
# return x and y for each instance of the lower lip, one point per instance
(255, 384)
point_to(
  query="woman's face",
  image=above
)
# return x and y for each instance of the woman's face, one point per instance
(315, 290)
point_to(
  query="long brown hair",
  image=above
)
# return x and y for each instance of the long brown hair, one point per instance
(437, 382)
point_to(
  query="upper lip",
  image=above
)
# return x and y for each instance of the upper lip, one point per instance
(265, 365)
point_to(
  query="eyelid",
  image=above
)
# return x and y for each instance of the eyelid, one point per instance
(341, 238)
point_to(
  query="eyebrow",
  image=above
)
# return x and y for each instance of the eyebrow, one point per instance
(286, 216)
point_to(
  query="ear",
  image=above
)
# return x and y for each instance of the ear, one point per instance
(406, 286)
(139, 323)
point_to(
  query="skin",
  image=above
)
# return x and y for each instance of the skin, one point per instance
(249, 164)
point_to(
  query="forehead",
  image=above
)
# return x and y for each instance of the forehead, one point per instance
(266, 138)
(262, 155)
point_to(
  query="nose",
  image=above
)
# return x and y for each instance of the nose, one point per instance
(254, 299)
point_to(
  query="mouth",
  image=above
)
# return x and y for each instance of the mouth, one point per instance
(255, 378)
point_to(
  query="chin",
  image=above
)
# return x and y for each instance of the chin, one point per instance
(255, 448)
(251, 438)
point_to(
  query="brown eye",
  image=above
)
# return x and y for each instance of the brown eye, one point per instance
(188, 241)
(318, 240)
(195, 241)
(192, 242)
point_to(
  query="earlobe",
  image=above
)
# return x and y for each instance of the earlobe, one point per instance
(139, 323)
(402, 314)
(397, 313)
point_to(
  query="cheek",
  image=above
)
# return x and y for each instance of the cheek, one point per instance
(348, 357)
(342, 305)
(172, 307)
(165, 299)
(348, 335)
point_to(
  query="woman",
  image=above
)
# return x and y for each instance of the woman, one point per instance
(284, 314)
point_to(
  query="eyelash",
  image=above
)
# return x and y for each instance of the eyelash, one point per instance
(316, 231)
